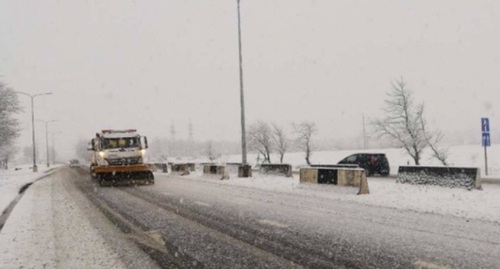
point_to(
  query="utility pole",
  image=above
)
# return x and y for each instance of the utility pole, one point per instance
(244, 170)
(242, 96)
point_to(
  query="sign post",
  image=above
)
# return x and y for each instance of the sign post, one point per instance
(486, 142)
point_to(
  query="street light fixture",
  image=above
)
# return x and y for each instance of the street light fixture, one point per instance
(47, 137)
(32, 96)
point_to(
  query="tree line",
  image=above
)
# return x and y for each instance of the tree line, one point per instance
(403, 123)
(9, 125)
(266, 138)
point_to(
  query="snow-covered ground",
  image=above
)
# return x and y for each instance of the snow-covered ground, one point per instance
(12, 180)
(474, 204)
(55, 226)
(484, 204)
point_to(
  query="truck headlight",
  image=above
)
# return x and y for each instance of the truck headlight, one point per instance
(143, 152)
(102, 154)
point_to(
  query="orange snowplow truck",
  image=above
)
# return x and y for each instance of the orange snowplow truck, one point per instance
(118, 157)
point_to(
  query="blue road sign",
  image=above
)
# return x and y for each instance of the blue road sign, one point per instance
(486, 140)
(485, 125)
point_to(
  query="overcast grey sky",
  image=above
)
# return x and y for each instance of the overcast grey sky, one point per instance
(147, 64)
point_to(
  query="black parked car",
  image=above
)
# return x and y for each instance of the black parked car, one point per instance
(373, 163)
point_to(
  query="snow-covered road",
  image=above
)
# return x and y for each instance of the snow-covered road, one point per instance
(196, 222)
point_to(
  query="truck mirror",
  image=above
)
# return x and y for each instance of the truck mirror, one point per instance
(145, 142)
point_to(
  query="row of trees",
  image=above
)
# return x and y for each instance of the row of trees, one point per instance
(9, 125)
(404, 124)
(266, 138)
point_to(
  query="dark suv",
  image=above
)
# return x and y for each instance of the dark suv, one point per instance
(373, 163)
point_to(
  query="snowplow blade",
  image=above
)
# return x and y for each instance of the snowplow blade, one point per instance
(124, 175)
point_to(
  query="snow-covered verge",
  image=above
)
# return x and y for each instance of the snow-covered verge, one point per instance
(12, 180)
(475, 204)
(55, 226)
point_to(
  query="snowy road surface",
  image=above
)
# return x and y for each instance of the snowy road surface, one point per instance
(193, 223)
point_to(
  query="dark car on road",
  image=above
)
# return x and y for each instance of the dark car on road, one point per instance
(373, 163)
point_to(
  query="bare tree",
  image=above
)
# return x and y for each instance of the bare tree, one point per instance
(405, 125)
(433, 139)
(259, 137)
(305, 131)
(7, 152)
(9, 126)
(280, 140)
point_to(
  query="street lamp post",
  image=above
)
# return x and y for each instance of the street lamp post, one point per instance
(242, 97)
(245, 170)
(47, 138)
(32, 96)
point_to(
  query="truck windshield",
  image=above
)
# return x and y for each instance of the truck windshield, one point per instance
(127, 142)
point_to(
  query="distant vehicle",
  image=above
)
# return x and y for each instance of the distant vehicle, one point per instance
(373, 163)
(74, 163)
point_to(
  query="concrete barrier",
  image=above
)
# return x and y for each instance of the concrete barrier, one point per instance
(245, 171)
(216, 170)
(276, 169)
(163, 167)
(178, 167)
(453, 177)
(191, 166)
(181, 168)
(354, 177)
